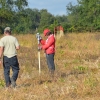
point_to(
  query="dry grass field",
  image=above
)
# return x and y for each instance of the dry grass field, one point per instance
(77, 74)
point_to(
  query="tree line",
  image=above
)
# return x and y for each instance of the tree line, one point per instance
(83, 17)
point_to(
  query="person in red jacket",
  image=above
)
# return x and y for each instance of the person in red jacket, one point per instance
(48, 46)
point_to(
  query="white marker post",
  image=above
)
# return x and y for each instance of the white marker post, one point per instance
(39, 53)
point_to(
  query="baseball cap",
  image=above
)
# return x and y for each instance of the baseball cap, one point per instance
(46, 31)
(7, 29)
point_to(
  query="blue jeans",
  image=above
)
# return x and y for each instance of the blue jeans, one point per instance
(50, 61)
(10, 63)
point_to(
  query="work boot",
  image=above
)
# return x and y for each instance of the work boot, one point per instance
(51, 74)
(13, 83)
(8, 84)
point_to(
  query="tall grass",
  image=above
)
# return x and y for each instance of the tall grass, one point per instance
(77, 61)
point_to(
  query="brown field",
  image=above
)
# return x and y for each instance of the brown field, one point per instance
(77, 75)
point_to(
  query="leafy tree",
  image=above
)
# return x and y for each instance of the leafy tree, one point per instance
(63, 21)
(28, 21)
(8, 8)
(85, 15)
(46, 19)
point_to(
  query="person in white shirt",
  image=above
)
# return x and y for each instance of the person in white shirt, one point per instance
(8, 46)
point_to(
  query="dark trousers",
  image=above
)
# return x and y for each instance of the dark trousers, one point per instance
(10, 63)
(50, 61)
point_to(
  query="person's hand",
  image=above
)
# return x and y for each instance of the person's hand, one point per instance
(39, 47)
(0, 62)
(38, 37)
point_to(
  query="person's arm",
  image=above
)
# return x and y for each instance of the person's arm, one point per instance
(1, 53)
(50, 42)
(42, 42)
(17, 44)
(18, 47)
(1, 50)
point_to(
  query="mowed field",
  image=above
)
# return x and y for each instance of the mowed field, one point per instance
(77, 74)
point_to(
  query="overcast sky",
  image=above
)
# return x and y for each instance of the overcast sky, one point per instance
(55, 7)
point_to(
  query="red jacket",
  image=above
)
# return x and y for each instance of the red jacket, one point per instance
(49, 44)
